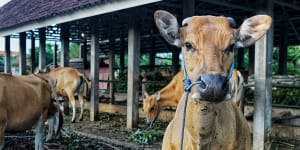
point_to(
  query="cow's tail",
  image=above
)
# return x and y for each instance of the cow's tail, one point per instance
(85, 86)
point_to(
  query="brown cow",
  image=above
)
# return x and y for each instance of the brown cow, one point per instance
(69, 82)
(170, 95)
(26, 101)
(211, 122)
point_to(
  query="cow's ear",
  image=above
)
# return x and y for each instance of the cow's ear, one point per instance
(252, 29)
(168, 27)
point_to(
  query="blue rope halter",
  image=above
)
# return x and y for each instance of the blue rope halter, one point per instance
(187, 88)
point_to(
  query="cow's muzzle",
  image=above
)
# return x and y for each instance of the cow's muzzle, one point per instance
(213, 87)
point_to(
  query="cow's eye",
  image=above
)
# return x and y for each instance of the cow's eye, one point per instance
(188, 46)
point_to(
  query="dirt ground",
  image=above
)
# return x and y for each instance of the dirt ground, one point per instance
(109, 133)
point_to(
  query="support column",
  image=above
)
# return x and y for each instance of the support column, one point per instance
(94, 70)
(133, 71)
(111, 54)
(152, 52)
(55, 55)
(22, 63)
(122, 54)
(65, 35)
(251, 60)
(283, 46)
(84, 53)
(263, 85)
(42, 52)
(175, 60)
(33, 64)
(240, 59)
(7, 65)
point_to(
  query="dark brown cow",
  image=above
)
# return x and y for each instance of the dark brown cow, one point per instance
(212, 122)
(27, 101)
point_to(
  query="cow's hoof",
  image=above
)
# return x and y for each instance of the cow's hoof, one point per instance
(73, 121)
(80, 118)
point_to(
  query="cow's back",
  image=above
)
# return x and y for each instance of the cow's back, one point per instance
(22, 99)
(67, 78)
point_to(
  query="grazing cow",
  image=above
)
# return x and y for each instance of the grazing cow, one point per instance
(211, 121)
(70, 82)
(170, 95)
(27, 101)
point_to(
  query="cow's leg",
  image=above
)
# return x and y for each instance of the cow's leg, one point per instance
(72, 101)
(3, 124)
(51, 122)
(81, 101)
(2, 129)
(39, 133)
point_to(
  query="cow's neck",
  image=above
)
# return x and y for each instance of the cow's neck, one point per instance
(167, 97)
(206, 122)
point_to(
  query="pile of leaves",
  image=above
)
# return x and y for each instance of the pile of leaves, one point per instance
(146, 136)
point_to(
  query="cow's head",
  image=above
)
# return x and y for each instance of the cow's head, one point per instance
(206, 42)
(150, 106)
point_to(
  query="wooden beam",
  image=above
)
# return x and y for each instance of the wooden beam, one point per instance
(65, 35)
(229, 5)
(122, 53)
(84, 53)
(240, 58)
(152, 51)
(33, 64)
(55, 55)
(111, 54)
(22, 62)
(94, 70)
(7, 67)
(100, 9)
(251, 60)
(133, 71)
(283, 46)
(42, 51)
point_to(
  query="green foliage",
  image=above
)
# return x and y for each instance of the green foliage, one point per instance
(283, 96)
(146, 136)
(74, 50)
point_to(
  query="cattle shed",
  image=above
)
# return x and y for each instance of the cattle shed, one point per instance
(120, 27)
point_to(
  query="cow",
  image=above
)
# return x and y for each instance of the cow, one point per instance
(211, 121)
(70, 82)
(27, 101)
(170, 95)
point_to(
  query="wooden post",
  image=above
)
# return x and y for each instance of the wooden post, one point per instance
(133, 71)
(7, 67)
(111, 54)
(42, 52)
(122, 55)
(152, 52)
(55, 55)
(263, 87)
(283, 45)
(94, 69)
(65, 34)
(84, 53)
(251, 60)
(33, 64)
(240, 58)
(22, 64)
(175, 60)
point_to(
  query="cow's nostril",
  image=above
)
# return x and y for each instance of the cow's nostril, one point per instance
(202, 86)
